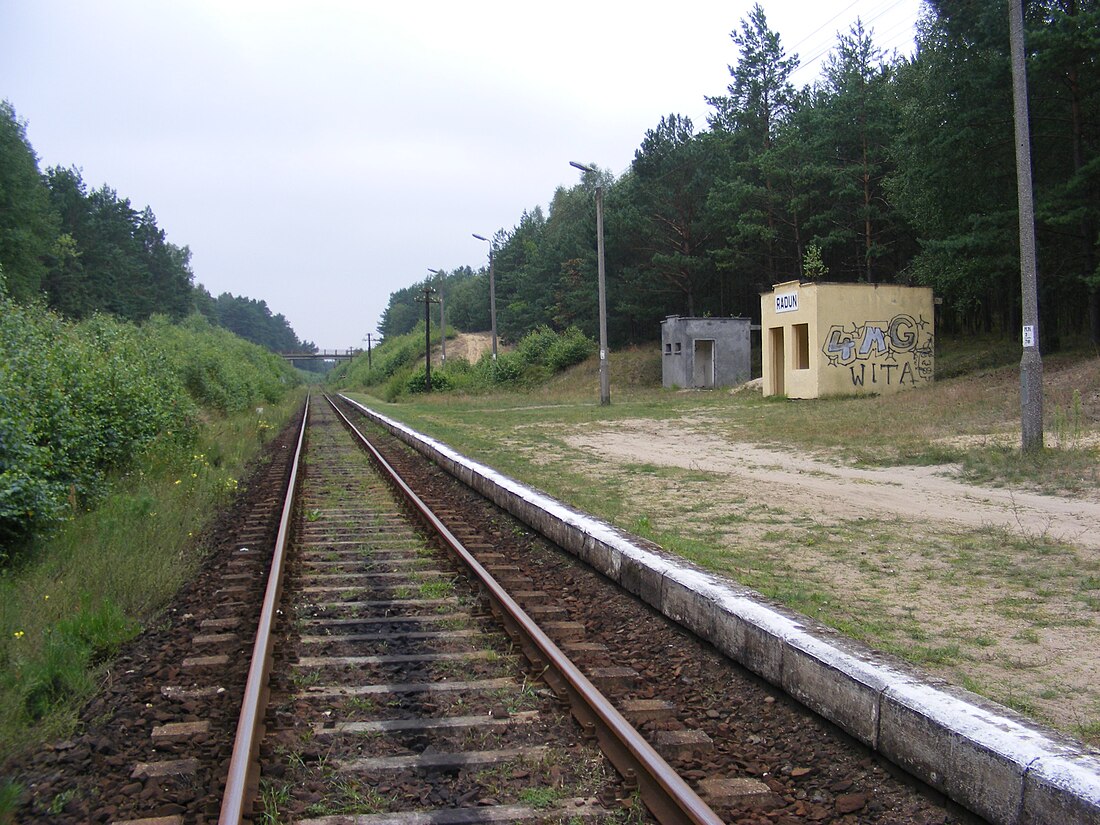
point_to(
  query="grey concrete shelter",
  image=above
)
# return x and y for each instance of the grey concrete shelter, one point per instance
(704, 353)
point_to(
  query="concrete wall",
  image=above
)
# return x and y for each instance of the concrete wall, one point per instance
(731, 352)
(844, 339)
(987, 758)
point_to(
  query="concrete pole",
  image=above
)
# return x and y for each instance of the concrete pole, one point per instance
(492, 294)
(442, 318)
(605, 377)
(427, 338)
(1031, 363)
(492, 301)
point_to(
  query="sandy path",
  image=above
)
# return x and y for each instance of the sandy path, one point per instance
(1027, 641)
(923, 494)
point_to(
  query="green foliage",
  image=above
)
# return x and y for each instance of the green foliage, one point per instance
(67, 607)
(506, 369)
(542, 347)
(252, 320)
(393, 357)
(418, 381)
(75, 401)
(72, 646)
(571, 347)
(812, 266)
(28, 226)
(399, 368)
(80, 400)
(535, 346)
(219, 370)
(9, 797)
(116, 260)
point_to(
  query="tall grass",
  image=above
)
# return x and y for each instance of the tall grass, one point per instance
(104, 575)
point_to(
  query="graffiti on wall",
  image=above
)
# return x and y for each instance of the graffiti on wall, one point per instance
(898, 352)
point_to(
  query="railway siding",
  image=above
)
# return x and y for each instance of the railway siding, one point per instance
(987, 758)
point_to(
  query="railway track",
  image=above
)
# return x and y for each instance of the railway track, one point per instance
(392, 690)
(401, 691)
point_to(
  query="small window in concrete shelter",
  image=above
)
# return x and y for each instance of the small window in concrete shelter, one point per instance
(801, 346)
(678, 348)
(668, 349)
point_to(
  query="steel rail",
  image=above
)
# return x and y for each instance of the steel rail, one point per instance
(242, 779)
(665, 793)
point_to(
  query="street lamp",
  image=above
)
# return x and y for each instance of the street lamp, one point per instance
(442, 319)
(492, 294)
(605, 378)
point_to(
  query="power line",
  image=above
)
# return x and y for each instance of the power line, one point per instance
(896, 35)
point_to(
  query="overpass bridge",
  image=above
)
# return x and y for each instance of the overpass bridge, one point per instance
(322, 355)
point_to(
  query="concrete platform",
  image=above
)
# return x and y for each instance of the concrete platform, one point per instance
(984, 756)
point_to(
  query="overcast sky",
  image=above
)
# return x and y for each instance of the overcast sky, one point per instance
(320, 155)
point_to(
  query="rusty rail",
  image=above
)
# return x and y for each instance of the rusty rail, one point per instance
(669, 798)
(243, 778)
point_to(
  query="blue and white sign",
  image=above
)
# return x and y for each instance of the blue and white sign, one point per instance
(786, 302)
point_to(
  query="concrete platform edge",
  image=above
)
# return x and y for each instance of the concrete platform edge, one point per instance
(982, 755)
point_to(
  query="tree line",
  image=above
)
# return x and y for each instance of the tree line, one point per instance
(885, 170)
(86, 251)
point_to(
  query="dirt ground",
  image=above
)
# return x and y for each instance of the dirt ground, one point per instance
(468, 345)
(915, 560)
(811, 487)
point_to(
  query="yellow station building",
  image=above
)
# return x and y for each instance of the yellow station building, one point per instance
(823, 339)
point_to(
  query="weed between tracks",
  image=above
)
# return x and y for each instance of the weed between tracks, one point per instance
(317, 774)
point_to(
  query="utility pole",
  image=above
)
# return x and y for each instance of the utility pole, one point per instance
(427, 292)
(442, 317)
(601, 287)
(492, 295)
(1031, 363)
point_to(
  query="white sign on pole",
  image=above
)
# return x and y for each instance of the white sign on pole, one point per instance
(1029, 336)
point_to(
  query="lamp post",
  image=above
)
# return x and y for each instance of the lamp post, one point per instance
(442, 319)
(492, 294)
(605, 378)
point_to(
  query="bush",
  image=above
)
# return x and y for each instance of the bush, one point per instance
(507, 368)
(569, 348)
(78, 401)
(418, 381)
(536, 345)
(219, 370)
(75, 402)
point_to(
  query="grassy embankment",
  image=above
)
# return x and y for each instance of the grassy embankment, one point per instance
(120, 442)
(999, 611)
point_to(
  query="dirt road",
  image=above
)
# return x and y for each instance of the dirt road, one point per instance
(924, 494)
(993, 589)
